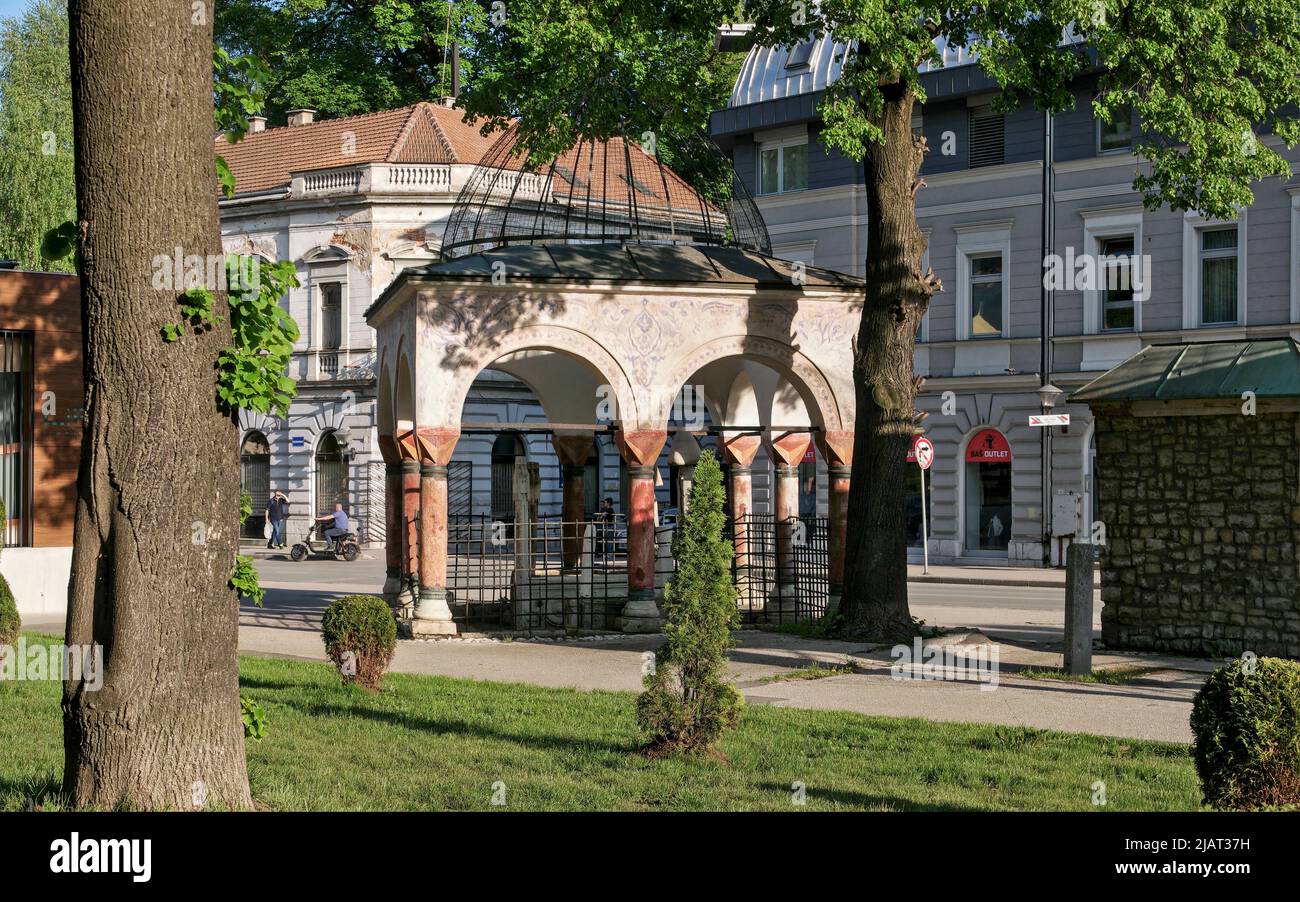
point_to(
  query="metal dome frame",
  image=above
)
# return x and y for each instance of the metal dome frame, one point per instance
(598, 192)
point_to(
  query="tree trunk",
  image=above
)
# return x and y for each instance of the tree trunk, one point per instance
(874, 603)
(157, 508)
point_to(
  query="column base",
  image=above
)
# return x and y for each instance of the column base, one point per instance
(641, 613)
(432, 615)
(392, 590)
(782, 603)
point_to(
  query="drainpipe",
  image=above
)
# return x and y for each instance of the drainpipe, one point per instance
(1045, 322)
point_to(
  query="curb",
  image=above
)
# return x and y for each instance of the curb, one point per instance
(987, 581)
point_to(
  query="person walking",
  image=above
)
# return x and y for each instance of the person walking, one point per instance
(277, 513)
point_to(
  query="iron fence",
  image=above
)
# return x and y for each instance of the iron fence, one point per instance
(543, 576)
(776, 588)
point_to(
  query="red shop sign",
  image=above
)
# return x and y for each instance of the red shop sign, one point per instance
(988, 446)
(810, 456)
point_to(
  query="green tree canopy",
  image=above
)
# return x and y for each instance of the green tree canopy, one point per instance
(344, 57)
(36, 154)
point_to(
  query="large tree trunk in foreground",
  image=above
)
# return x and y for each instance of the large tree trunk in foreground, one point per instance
(874, 603)
(157, 493)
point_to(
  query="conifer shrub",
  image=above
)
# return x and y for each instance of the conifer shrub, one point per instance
(360, 637)
(688, 703)
(1246, 723)
(10, 623)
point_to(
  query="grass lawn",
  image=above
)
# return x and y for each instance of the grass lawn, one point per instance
(429, 743)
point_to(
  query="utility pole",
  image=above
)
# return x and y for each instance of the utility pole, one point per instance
(1045, 321)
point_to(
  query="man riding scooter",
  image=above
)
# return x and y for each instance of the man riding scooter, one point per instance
(341, 525)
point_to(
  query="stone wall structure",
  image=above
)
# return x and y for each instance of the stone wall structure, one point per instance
(1198, 496)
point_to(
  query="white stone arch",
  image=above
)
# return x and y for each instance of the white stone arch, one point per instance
(325, 253)
(385, 416)
(404, 389)
(557, 339)
(825, 408)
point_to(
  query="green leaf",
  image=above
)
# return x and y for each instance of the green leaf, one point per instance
(60, 241)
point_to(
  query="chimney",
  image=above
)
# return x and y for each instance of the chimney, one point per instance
(256, 124)
(301, 117)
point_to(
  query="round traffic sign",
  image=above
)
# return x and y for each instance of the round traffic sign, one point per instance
(924, 452)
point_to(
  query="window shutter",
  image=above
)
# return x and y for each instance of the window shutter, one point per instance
(987, 137)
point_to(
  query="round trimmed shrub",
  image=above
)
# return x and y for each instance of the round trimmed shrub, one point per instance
(360, 638)
(1246, 722)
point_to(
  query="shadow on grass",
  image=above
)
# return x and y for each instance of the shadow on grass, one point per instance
(862, 800)
(458, 728)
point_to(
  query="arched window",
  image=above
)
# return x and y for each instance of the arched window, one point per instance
(255, 479)
(331, 475)
(505, 450)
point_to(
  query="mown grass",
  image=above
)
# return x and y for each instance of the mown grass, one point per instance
(433, 743)
(1117, 676)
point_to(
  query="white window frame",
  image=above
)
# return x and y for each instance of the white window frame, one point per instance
(1097, 228)
(978, 241)
(1193, 226)
(325, 265)
(779, 145)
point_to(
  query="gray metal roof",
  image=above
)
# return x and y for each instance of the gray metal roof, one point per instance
(1201, 371)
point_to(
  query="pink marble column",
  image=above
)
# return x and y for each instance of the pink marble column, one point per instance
(837, 450)
(392, 518)
(640, 449)
(787, 451)
(573, 451)
(435, 447)
(739, 453)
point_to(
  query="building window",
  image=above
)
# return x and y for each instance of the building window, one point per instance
(505, 450)
(15, 436)
(1116, 284)
(987, 136)
(255, 480)
(986, 289)
(1218, 262)
(783, 166)
(331, 313)
(1117, 136)
(800, 54)
(331, 475)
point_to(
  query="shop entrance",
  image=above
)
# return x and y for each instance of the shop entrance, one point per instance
(988, 493)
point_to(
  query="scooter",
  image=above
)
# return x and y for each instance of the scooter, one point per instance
(316, 544)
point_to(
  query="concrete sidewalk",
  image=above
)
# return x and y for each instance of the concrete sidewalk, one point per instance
(1155, 705)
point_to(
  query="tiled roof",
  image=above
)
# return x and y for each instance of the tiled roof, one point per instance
(422, 133)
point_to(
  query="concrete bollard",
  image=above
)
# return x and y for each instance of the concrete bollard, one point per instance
(1079, 558)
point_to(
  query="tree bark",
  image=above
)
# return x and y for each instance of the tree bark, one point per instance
(158, 494)
(874, 603)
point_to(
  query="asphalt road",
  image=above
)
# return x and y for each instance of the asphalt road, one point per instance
(297, 592)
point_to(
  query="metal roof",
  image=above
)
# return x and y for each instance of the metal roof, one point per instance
(1270, 368)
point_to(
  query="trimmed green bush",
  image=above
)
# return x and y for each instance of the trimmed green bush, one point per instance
(360, 638)
(10, 623)
(687, 703)
(1246, 722)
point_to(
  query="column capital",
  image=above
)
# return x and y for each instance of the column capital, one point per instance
(389, 450)
(572, 450)
(788, 447)
(641, 448)
(836, 447)
(739, 449)
(436, 444)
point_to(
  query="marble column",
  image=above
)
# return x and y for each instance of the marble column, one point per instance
(787, 451)
(640, 449)
(573, 451)
(392, 519)
(432, 613)
(837, 450)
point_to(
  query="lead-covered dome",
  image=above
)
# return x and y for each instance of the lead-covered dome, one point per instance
(603, 192)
